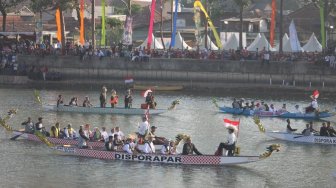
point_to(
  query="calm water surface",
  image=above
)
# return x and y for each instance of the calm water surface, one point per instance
(27, 164)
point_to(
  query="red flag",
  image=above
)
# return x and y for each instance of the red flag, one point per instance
(129, 80)
(231, 123)
(151, 22)
(272, 22)
(58, 24)
(316, 94)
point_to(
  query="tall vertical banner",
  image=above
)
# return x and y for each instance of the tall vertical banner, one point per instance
(81, 30)
(197, 19)
(272, 23)
(103, 32)
(172, 43)
(58, 24)
(198, 4)
(151, 22)
(293, 38)
(128, 31)
(323, 33)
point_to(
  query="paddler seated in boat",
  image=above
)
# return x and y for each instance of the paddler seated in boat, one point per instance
(73, 101)
(252, 106)
(306, 131)
(168, 148)
(150, 100)
(229, 145)
(69, 132)
(156, 140)
(331, 130)
(96, 135)
(45, 132)
(83, 138)
(29, 126)
(284, 107)
(39, 125)
(289, 128)
(247, 106)
(53, 132)
(143, 129)
(297, 109)
(272, 108)
(128, 99)
(241, 102)
(324, 130)
(102, 97)
(114, 98)
(86, 102)
(313, 107)
(117, 142)
(120, 134)
(312, 130)
(109, 144)
(59, 100)
(129, 145)
(235, 104)
(189, 148)
(149, 145)
(104, 135)
(112, 132)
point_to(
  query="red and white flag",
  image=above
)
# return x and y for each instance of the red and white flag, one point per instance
(129, 80)
(145, 93)
(316, 94)
(230, 123)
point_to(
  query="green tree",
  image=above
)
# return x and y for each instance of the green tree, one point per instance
(5, 5)
(242, 4)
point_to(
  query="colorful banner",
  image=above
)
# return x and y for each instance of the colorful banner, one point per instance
(38, 31)
(272, 23)
(128, 31)
(172, 44)
(293, 38)
(151, 22)
(81, 30)
(103, 32)
(323, 33)
(197, 3)
(58, 24)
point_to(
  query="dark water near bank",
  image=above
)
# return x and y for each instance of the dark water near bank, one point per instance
(26, 164)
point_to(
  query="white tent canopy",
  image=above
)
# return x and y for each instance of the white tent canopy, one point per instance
(179, 42)
(210, 44)
(312, 45)
(155, 44)
(260, 42)
(232, 43)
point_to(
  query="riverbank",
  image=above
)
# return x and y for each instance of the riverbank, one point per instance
(211, 76)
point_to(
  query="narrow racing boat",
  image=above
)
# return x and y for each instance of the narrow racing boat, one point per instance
(249, 112)
(308, 116)
(313, 139)
(167, 159)
(98, 110)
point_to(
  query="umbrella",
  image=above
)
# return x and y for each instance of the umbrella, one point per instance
(146, 92)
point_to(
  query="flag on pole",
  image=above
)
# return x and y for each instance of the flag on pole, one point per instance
(58, 24)
(232, 124)
(151, 22)
(81, 13)
(323, 34)
(103, 32)
(316, 94)
(129, 80)
(272, 23)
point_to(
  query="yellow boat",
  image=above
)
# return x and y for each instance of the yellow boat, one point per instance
(158, 88)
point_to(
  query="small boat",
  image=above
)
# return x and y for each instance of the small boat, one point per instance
(313, 139)
(249, 112)
(62, 141)
(309, 116)
(107, 110)
(158, 88)
(166, 159)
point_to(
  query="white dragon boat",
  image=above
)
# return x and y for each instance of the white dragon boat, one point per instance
(313, 139)
(107, 110)
(166, 159)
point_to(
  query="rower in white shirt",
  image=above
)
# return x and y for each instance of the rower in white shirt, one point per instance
(149, 146)
(129, 146)
(143, 127)
(120, 133)
(104, 134)
(230, 145)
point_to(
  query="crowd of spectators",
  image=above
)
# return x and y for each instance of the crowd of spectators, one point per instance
(129, 53)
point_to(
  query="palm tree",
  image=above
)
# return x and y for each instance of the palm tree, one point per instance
(242, 4)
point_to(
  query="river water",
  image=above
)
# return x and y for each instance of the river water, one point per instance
(28, 164)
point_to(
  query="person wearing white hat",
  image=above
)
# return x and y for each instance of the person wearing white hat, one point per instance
(230, 144)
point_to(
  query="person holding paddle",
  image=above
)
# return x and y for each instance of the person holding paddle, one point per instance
(29, 126)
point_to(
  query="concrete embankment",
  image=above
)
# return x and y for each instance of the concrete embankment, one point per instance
(193, 74)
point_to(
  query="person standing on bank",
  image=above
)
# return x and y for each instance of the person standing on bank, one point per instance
(128, 99)
(102, 97)
(114, 98)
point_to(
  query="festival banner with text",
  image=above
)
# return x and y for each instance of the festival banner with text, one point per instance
(81, 30)
(103, 32)
(58, 24)
(151, 22)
